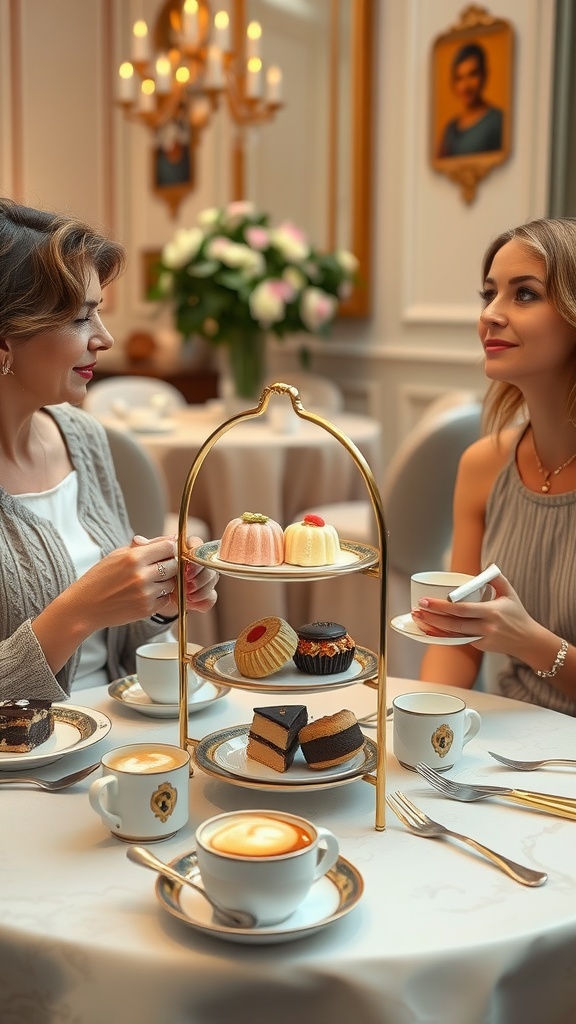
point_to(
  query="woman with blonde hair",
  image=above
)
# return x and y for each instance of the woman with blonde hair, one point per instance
(515, 497)
(79, 592)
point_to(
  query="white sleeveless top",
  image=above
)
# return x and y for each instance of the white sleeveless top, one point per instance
(60, 506)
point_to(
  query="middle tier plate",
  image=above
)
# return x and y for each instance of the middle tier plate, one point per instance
(354, 557)
(217, 663)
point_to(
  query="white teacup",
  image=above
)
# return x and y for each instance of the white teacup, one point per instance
(158, 671)
(432, 727)
(439, 584)
(264, 862)
(143, 793)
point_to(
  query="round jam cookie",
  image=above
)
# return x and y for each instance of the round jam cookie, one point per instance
(264, 647)
(331, 740)
(324, 648)
(252, 539)
(311, 542)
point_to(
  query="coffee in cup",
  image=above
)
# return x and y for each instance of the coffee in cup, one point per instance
(143, 793)
(432, 727)
(158, 671)
(264, 862)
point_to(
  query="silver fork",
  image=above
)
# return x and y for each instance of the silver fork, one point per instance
(563, 806)
(529, 766)
(52, 784)
(421, 825)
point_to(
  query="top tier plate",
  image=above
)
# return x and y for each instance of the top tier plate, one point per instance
(354, 557)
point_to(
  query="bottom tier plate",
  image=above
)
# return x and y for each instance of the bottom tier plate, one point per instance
(223, 755)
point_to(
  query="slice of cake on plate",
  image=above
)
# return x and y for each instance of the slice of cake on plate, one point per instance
(273, 736)
(24, 724)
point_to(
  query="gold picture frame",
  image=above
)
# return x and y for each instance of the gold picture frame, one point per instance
(471, 119)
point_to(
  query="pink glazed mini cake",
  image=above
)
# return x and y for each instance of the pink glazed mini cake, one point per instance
(252, 539)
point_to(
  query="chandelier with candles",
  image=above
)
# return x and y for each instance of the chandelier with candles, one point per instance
(193, 60)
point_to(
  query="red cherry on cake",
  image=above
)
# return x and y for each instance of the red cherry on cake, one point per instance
(256, 633)
(313, 520)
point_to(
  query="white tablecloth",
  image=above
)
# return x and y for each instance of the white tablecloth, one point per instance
(440, 936)
(253, 468)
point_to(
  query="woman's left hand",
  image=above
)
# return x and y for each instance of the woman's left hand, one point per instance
(503, 623)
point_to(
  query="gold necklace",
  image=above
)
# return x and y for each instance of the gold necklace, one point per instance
(549, 472)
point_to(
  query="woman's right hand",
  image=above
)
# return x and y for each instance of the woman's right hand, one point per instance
(132, 582)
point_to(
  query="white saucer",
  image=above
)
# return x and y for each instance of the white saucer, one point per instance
(405, 625)
(129, 692)
(330, 898)
(151, 426)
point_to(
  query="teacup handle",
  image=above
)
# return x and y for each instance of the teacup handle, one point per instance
(95, 794)
(328, 851)
(473, 724)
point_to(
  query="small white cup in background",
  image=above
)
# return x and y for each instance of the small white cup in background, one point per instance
(438, 584)
(432, 727)
(158, 671)
(143, 793)
(264, 862)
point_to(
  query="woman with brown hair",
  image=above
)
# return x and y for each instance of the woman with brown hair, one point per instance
(79, 592)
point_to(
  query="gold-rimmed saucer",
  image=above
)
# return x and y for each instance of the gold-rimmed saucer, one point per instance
(330, 898)
(353, 558)
(128, 692)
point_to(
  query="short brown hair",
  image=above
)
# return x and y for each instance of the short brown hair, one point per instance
(554, 242)
(45, 262)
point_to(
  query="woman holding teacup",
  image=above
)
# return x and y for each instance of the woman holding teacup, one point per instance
(79, 592)
(515, 497)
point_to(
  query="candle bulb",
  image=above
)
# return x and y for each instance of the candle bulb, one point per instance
(254, 79)
(253, 37)
(140, 43)
(214, 68)
(146, 97)
(274, 85)
(163, 76)
(190, 23)
(222, 31)
(126, 84)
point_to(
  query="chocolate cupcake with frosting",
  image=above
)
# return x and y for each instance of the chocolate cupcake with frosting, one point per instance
(324, 648)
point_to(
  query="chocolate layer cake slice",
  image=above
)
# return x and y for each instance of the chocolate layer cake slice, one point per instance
(273, 736)
(24, 724)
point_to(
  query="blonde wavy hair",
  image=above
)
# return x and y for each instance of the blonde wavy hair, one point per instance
(45, 262)
(554, 242)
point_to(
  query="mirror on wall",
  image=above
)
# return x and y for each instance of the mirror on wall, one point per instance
(312, 164)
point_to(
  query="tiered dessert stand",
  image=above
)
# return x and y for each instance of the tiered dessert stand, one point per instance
(357, 558)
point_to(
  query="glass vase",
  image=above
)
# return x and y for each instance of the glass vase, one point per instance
(245, 365)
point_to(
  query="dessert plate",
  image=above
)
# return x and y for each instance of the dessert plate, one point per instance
(74, 729)
(353, 558)
(217, 663)
(330, 898)
(223, 754)
(405, 625)
(129, 692)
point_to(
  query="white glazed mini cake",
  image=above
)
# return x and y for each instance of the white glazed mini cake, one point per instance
(252, 539)
(311, 542)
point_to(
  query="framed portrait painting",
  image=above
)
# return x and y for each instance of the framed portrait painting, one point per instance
(471, 119)
(173, 171)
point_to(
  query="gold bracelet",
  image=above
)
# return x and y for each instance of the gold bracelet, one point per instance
(558, 662)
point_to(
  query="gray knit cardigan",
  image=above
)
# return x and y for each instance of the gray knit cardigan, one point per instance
(35, 566)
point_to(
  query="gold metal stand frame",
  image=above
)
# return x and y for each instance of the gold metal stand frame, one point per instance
(186, 555)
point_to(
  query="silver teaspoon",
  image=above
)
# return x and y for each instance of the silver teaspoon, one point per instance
(234, 918)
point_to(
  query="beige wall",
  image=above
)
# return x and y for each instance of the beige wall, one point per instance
(64, 145)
